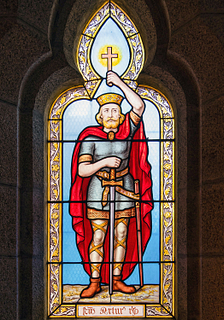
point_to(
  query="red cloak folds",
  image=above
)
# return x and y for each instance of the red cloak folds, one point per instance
(140, 169)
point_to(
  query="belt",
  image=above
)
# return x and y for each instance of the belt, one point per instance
(106, 175)
(118, 185)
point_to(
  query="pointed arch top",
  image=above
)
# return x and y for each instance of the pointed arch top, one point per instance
(137, 53)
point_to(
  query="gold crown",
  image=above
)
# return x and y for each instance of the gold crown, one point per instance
(109, 98)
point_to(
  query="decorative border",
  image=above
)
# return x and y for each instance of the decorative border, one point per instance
(166, 308)
(137, 58)
(54, 288)
(123, 20)
(61, 103)
(83, 59)
(158, 99)
(97, 20)
(65, 311)
(157, 311)
(110, 9)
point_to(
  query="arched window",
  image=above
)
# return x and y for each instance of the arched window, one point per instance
(110, 40)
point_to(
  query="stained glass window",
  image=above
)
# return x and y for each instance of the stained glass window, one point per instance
(138, 284)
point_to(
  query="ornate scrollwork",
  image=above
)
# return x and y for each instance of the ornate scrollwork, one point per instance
(168, 128)
(168, 171)
(55, 167)
(153, 311)
(160, 101)
(167, 286)
(137, 58)
(97, 21)
(54, 275)
(92, 86)
(54, 232)
(83, 59)
(65, 311)
(122, 20)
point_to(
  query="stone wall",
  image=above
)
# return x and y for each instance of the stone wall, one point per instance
(187, 63)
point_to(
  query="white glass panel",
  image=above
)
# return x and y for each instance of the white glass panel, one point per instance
(110, 35)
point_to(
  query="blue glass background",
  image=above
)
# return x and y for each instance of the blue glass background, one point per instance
(77, 116)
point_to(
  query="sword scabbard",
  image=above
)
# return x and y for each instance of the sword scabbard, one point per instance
(139, 234)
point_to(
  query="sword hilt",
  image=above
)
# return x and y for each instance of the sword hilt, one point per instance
(112, 174)
(136, 186)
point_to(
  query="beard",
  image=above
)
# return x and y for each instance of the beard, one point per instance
(111, 123)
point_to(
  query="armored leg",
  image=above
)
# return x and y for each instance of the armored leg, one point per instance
(121, 227)
(96, 257)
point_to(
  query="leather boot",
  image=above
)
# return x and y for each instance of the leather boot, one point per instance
(120, 286)
(93, 288)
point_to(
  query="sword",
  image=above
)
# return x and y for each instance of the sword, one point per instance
(112, 217)
(112, 183)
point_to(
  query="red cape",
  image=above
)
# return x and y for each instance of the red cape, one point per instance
(140, 169)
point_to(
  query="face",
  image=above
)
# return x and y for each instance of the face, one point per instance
(110, 114)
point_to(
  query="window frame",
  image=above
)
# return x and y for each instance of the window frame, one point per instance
(166, 309)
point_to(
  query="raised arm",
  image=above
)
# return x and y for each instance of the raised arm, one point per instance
(133, 98)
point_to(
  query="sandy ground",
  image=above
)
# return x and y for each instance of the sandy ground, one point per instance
(146, 294)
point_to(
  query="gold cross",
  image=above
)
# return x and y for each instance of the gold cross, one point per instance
(109, 56)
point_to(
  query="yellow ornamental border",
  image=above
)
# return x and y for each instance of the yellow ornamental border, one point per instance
(103, 11)
(158, 98)
(65, 98)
